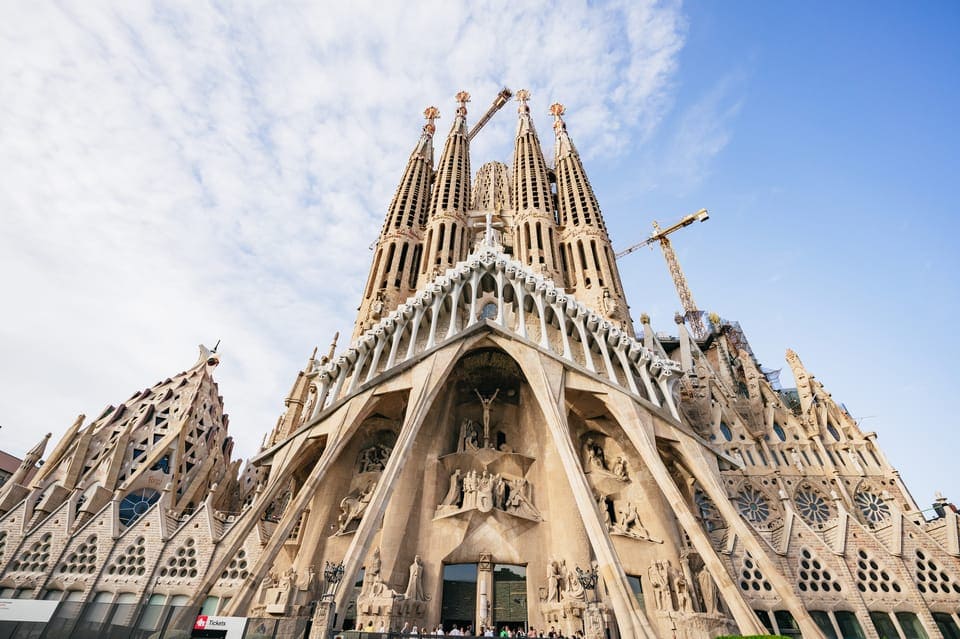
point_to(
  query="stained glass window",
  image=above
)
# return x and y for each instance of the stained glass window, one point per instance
(136, 503)
(812, 506)
(753, 505)
(872, 506)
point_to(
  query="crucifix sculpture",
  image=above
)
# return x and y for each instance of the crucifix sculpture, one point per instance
(486, 402)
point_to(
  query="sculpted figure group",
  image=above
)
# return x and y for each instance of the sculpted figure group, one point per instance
(373, 459)
(628, 522)
(353, 507)
(562, 583)
(485, 491)
(672, 592)
(595, 459)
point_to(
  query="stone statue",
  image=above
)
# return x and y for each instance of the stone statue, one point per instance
(486, 402)
(415, 584)
(681, 589)
(499, 492)
(620, 469)
(352, 508)
(484, 492)
(708, 591)
(594, 459)
(796, 460)
(609, 305)
(604, 511)
(368, 460)
(472, 440)
(372, 584)
(311, 400)
(574, 589)
(660, 582)
(453, 492)
(630, 523)
(468, 440)
(376, 309)
(553, 581)
(518, 502)
(470, 486)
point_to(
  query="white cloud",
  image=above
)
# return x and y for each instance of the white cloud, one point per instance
(178, 173)
(699, 133)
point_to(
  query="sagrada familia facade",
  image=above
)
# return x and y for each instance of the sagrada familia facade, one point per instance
(498, 445)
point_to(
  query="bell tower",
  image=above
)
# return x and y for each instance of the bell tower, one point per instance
(395, 269)
(535, 225)
(447, 240)
(588, 258)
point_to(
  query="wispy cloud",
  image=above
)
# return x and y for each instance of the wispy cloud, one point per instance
(177, 173)
(684, 155)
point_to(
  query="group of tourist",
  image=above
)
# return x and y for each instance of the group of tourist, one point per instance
(505, 632)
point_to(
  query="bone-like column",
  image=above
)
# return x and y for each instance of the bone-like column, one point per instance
(350, 414)
(427, 378)
(631, 620)
(640, 432)
(697, 462)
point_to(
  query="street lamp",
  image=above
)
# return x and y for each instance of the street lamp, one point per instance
(333, 573)
(588, 580)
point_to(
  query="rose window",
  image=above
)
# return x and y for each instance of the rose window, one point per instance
(812, 506)
(872, 506)
(137, 503)
(753, 505)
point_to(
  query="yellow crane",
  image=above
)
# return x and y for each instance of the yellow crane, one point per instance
(498, 103)
(679, 281)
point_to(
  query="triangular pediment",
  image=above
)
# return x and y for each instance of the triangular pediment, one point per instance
(491, 289)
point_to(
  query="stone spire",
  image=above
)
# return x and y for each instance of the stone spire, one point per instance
(535, 225)
(22, 474)
(395, 268)
(586, 255)
(299, 403)
(446, 240)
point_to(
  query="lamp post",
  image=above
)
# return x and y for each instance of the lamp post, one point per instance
(322, 619)
(588, 581)
(332, 573)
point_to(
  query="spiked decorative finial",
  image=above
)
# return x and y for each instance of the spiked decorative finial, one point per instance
(522, 96)
(431, 113)
(462, 97)
(557, 110)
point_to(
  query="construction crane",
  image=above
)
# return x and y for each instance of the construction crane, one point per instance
(498, 103)
(679, 281)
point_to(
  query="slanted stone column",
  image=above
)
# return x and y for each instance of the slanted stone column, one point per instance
(349, 416)
(639, 429)
(545, 377)
(425, 383)
(697, 464)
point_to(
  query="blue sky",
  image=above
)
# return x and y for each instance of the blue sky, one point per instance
(833, 226)
(182, 173)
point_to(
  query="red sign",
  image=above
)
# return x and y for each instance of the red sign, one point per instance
(201, 623)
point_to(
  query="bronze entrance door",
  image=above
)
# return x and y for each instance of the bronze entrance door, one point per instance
(510, 596)
(459, 604)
